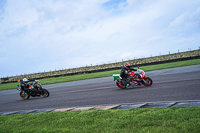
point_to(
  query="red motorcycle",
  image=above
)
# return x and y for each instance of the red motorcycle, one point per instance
(137, 78)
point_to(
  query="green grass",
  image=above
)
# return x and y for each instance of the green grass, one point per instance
(103, 74)
(163, 120)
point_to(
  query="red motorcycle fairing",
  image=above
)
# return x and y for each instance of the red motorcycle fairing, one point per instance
(145, 77)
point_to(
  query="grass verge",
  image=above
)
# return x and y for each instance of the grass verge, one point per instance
(103, 74)
(173, 119)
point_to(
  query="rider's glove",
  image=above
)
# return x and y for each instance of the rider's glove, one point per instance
(139, 76)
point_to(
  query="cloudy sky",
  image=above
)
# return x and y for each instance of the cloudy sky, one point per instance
(44, 35)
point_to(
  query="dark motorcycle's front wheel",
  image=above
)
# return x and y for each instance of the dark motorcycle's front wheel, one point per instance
(45, 93)
(24, 95)
(120, 85)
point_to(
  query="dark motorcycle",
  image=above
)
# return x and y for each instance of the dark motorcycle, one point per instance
(31, 89)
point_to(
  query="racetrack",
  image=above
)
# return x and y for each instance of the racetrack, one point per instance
(168, 85)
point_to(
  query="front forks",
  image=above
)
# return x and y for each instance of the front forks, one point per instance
(145, 81)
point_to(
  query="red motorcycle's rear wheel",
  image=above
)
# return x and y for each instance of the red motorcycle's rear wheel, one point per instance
(147, 82)
(120, 85)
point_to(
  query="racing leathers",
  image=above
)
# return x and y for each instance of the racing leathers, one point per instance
(124, 75)
(24, 84)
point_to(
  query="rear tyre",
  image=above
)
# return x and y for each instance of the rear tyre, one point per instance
(147, 82)
(120, 85)
(24, 95)
(45, 93)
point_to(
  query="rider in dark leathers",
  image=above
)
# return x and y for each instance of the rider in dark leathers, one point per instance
(24, 83)
(124, 74)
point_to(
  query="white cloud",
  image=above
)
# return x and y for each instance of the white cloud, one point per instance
(63, 34)
(188, 22)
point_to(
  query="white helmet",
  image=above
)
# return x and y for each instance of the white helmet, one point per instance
(25, 79)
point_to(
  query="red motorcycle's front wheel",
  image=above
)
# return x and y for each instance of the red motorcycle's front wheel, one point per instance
(120, 85)
(147, 81)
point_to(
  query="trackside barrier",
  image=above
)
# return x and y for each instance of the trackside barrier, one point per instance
(107, 67)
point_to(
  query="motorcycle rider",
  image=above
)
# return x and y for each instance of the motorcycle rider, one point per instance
(124, 73)
(24, 82)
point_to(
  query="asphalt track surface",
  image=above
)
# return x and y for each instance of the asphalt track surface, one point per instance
(173, 84)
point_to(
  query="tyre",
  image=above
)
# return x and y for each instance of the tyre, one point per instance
(147, 82)
(45, 93)
(24, 95)
(120, 85)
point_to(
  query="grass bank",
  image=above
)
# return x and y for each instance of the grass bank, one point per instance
(165, 120)
(103, 74)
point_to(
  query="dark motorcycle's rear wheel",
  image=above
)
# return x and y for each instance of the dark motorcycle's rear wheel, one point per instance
(24, 95)
(147, 82)
(120, 85)
(45, 93)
